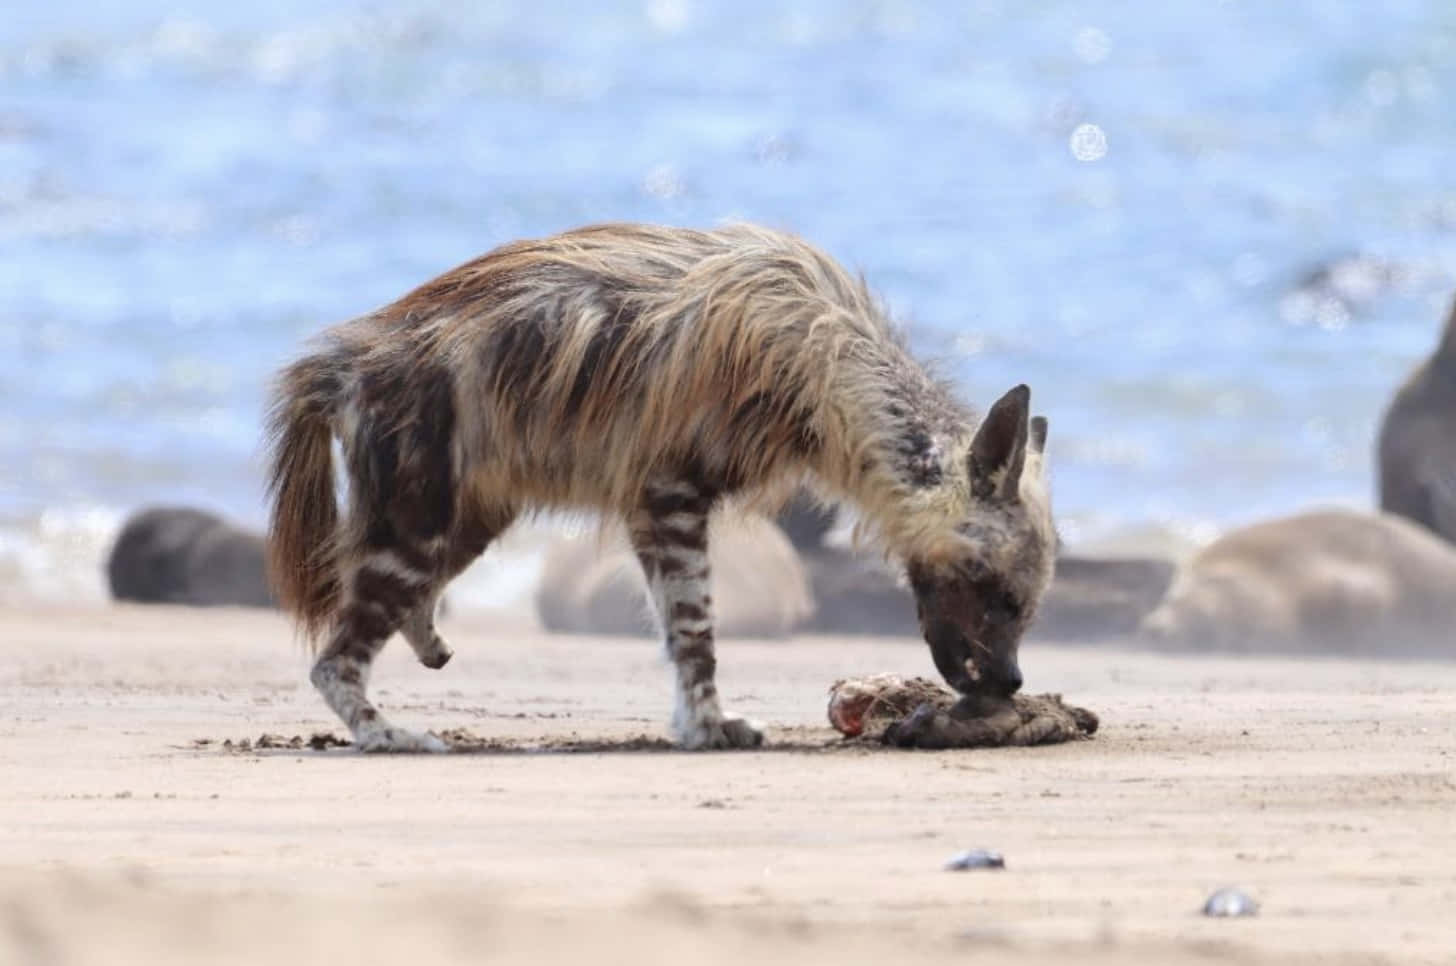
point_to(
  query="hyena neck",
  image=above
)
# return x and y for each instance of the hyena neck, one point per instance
(910, 440)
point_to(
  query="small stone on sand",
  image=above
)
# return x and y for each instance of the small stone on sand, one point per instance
(1230, 902)
(975, 859)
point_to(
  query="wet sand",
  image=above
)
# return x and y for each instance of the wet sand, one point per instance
(130, 833)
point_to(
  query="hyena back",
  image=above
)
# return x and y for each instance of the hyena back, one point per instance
(648, 373)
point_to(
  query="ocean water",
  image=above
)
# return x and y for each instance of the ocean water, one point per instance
(1212, 236)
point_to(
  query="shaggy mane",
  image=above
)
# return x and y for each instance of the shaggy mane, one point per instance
(618, 351)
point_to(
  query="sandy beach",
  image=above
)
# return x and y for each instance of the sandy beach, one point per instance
(130, 832)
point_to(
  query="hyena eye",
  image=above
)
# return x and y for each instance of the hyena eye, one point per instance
(1001, 607)
(1001, 614)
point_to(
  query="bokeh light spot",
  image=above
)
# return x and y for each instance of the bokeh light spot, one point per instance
(1088, 143)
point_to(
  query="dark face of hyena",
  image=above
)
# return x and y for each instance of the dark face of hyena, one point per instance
(973, 621)
(974, 611)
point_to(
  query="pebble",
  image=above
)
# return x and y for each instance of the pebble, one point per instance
(1230, 902)
(975, 859)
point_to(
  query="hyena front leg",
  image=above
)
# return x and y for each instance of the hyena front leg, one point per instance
(670, 536)
(468, 542)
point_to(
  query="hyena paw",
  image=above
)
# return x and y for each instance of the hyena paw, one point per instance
(392, 740)
(436, 655)
(724, 731)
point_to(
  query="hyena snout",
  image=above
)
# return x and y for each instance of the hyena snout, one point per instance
(973, 667)
(1002, 677)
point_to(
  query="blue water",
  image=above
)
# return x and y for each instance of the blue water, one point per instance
(188, 190)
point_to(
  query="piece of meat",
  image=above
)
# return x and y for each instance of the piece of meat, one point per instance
(918, 713)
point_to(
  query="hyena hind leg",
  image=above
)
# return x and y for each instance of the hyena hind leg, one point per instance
(670, 536)
(468, 543)
(419, 630)
(385, 587)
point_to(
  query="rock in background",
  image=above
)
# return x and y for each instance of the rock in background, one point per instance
(1096, 599)
(594, 585)
(1417, 448)
(176, 555)
(1324, 582)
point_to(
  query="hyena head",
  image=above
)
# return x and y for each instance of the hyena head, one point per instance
(978, 592)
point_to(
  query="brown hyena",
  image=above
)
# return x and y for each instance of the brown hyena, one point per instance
(650, 373)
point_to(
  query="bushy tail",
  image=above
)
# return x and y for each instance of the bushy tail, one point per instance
(302, 548)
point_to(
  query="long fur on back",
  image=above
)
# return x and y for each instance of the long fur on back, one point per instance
(575, 369)
(610, 354)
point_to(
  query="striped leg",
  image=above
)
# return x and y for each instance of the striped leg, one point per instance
(385, 587)
(466, 544)
(397, 442)
(419, 630)
(670, 536)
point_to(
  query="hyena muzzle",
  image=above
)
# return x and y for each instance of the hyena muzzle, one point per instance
(647, 373)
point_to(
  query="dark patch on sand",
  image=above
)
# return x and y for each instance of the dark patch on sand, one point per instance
(318, 741)
(465, 742)
(461, 741)
(911, 712)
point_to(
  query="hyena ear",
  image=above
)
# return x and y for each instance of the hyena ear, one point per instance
(1037, 442)
(998, 451)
